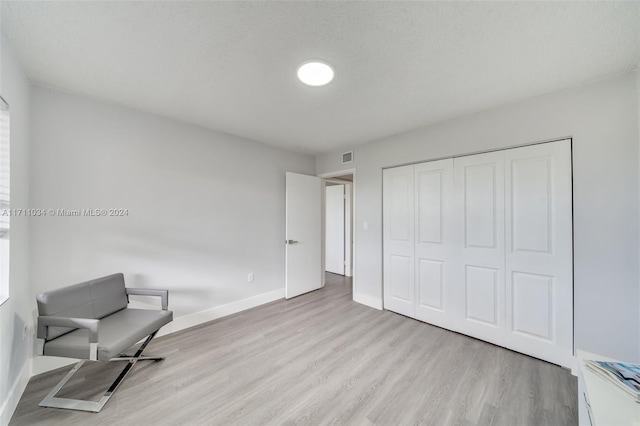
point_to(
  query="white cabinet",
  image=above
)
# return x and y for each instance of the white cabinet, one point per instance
(482, 245)
(601, 403)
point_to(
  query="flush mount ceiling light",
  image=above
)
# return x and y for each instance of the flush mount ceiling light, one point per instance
(315, 73)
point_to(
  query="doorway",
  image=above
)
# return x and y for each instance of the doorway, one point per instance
(338, 217)
(305, 227)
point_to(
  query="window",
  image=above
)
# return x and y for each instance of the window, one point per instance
(4, 200)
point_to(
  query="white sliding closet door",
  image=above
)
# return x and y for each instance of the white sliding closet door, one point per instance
(479, 284)
(399, 239)
(539, 281)
(435, 242)
(482, 245)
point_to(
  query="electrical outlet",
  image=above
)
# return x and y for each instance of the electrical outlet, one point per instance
(250, 277)
(24, 332)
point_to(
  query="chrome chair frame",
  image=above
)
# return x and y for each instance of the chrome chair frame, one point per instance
(51, 400)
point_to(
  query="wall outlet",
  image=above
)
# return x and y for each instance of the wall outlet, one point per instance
(24, 332)
(250, 277)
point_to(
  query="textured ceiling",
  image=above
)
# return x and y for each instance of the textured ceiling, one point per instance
(231, 66)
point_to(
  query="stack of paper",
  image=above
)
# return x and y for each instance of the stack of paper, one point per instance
(625, 376)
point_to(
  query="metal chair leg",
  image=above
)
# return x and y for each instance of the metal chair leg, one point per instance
(124, 357)
(95, 406)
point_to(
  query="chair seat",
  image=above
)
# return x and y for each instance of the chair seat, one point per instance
(117, 332)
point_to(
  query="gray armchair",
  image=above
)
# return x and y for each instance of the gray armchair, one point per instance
(91, 321)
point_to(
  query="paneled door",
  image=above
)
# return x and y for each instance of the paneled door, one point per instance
(399, 240)
(539, 282)
(434, 242)
(480, 270)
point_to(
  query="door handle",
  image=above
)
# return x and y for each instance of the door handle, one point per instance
(291, 242)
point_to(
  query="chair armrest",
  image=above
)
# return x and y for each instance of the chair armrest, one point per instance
(163, 294)
(88, 323)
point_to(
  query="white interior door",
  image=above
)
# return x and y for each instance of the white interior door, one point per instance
(334, 257)
(435, 242)
(399, 238)
(539, 279)
(480, 269)
(303, 227)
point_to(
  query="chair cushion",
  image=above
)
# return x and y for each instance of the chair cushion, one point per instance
(109, 295)
(91, 299)
(117, 332)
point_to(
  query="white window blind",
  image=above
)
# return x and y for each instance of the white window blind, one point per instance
(4, 200)
(4, 169)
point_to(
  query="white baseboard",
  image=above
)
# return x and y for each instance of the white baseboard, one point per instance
(42, 364)
(211, 314)
(372, 302)
(13, 397)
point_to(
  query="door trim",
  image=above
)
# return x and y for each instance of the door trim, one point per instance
(466, 154)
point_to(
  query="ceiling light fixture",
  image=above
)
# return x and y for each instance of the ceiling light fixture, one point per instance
(315, 73)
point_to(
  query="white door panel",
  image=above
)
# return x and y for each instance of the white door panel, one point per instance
(303, 223)
(335, 229)
(398, 234)
(400, 271)
(481, 296)
(539, 280)
(434, 245)
(480, 264)
(430, 286)
(532, 307)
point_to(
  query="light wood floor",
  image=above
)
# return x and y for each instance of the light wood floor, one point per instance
(317, 359)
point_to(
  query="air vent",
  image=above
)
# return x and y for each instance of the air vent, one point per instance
(347, 157)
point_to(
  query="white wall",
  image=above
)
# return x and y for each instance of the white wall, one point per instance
(204, 208)
(16, 312)
(602, 119)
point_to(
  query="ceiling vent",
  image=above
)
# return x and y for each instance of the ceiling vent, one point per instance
(347, 157)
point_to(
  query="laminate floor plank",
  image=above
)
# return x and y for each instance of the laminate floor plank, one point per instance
(317, 359)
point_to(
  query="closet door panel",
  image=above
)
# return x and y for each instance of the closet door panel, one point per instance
(481, 295)
(539, 280)
(434, 242)
(431, 289)
(480, 264)
(399, 240)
